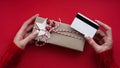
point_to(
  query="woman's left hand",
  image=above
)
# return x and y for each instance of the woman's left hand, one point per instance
(24, 36)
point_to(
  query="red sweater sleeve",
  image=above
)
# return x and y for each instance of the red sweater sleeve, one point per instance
(106, 60)
(11, 56)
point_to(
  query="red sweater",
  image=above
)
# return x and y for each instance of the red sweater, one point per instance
(104, 59)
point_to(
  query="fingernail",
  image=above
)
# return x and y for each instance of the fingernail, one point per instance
(36, 32)
(97, 20)
(37, 14)
(87, 37)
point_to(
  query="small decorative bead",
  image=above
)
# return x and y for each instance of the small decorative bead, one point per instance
(48, 28)
(48, 21)
(53, 24)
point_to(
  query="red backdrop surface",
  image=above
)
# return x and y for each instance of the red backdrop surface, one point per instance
(14, 12)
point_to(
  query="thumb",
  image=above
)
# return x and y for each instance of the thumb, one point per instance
(92, 42)
(30, 37)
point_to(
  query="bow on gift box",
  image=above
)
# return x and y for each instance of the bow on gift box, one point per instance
(45, 28)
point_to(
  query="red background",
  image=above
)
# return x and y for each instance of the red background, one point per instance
(14, 12)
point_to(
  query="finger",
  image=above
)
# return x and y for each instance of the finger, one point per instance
(30, 37)
(29, 29)
(108, 28)
(26, 35)
(100, 32)
(31, 19)
(92, 42)
(103, 25)
(102, 41)
(25, 25)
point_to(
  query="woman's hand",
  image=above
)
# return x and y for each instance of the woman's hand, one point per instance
(24, 35)
(102, 40)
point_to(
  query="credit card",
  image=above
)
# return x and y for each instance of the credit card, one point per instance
(84, 25)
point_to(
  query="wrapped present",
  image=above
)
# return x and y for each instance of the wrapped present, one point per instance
(57, 33)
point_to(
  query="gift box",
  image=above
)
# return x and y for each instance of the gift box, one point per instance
(57, 33)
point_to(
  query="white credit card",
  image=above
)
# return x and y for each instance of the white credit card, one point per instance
(84, 25)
